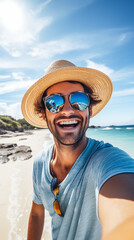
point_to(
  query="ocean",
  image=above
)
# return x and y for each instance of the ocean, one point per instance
(119, 136)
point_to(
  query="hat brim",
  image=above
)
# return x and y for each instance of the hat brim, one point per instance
(99, 82)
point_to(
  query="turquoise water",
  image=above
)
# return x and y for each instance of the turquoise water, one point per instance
(119, 136)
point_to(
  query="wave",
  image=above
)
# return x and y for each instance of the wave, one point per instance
(107, 128)
(129, 128)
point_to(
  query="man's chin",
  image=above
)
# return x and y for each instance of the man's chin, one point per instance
(68, 140)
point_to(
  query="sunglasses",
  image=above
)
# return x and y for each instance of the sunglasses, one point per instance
(78, 100)
(55, 191)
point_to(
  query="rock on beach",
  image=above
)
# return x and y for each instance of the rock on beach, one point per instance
(14, 152)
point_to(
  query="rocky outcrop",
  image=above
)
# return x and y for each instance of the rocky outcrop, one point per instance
(14, 152)
(2, 131)
(11, 124)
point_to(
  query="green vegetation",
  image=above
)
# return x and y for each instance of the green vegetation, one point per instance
(9, 123)
(25, 124)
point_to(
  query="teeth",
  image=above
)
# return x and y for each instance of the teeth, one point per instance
(68, 122)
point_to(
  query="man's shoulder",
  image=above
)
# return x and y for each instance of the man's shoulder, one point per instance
(109, 156)
(97, 146)
(105, 153)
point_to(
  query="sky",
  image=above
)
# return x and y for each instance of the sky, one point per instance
(90, 33)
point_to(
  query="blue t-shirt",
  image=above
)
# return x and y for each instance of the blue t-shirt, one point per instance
(78, 192)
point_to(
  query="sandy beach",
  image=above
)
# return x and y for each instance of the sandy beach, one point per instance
(16, 187)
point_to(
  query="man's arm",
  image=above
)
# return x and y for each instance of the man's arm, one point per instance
(36, 222)
(116, 206)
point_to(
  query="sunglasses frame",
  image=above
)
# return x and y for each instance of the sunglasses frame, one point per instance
(69, 96)
(55, 190)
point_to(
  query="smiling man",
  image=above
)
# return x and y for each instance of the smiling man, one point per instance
(87, 186)
(69, 125)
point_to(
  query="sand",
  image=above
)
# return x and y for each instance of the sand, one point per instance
(16, 188)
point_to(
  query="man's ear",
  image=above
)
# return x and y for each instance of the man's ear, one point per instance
(43, 115)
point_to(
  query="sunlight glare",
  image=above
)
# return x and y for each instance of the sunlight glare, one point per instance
(11, 16)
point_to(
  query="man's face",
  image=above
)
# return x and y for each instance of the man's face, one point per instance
(69, 125)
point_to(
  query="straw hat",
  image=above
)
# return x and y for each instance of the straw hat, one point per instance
(59, 71)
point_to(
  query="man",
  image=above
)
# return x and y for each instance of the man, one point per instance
(87, 186)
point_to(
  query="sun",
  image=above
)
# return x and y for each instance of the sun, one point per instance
(11, 16)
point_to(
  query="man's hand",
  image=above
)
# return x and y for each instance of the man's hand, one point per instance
(116, 207)
(36, 222)
(124, 231)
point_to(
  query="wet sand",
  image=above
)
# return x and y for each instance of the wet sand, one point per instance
(16, 188)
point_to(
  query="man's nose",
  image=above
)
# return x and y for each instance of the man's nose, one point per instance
(67, 109)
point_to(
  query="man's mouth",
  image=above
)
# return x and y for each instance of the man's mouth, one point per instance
(68, 124)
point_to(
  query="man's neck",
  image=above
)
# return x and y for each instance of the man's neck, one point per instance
(64, 156)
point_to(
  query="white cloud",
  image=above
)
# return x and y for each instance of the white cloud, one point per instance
(100, 67)
(125, 92)
(131, 82)
(41, 6)
(33, 54)
(13, 110)
(126, 73)
(48, 50)
(108, 40)
(7, 87)
(4, 76)
(16, 63)
(18, 75)
(63, 8)
(124, 38)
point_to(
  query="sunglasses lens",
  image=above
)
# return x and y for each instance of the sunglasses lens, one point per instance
(55, 191)
(57, 207)
(54, 186)
(54, 103)
(79, 101)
